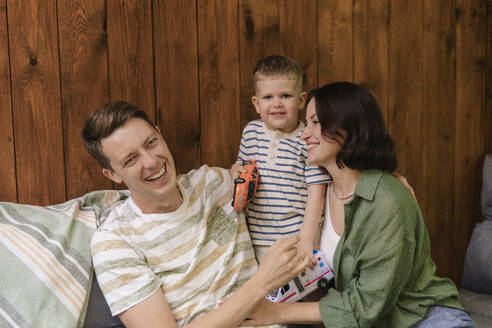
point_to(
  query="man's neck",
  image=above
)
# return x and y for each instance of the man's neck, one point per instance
(170, 204)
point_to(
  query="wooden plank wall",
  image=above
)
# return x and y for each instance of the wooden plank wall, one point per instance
(189, 63)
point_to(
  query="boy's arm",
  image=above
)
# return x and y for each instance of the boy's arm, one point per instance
(279, 266)
(314, 208)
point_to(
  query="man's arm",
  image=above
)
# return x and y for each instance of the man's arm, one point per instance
(280, 265)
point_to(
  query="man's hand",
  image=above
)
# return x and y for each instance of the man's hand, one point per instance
(405, 182)
(280, 264)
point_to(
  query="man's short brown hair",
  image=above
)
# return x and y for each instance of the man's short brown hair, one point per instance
(103, 121)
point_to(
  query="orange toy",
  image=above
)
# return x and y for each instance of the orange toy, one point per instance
(245, 186)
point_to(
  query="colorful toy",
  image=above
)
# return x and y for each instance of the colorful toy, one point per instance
(245, 186)
(305, 282)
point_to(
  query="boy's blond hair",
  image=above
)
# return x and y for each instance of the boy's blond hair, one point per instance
(275, 66)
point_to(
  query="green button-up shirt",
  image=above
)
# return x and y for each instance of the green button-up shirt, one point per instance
(384, 276)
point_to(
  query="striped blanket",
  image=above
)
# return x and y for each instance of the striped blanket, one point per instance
(46, 269)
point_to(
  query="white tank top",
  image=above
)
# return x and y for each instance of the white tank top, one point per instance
(329, 238)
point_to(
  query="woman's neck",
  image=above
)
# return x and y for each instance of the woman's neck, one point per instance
(344, 179)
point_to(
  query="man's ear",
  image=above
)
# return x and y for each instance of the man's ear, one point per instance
(111, 176)
(302, 100)
(254, 101)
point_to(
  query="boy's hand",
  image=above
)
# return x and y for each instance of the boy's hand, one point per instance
(236, 170)
(305, 249)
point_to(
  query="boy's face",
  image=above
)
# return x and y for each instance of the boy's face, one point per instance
(140, 158)
(278, 101)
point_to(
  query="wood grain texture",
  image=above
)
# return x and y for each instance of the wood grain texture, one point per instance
(488, 83)
(438, 92)
(84, 85)
(8, 192)
(131, 77)
(470, 112)
(259, 36)
(299, 39)
(176, 70)
(36, 101)
(405, 88)
(335, 41)
(371, 46)
(218, 45)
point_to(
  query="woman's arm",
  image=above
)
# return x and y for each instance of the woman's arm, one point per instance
(280, 265)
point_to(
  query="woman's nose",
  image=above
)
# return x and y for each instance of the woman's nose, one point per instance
(305, 133)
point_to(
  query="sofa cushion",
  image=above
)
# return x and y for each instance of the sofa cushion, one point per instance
(477, 273)
(478, 305)
(486, 199)
(46, 272)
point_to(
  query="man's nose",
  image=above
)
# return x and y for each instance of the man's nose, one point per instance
(148, 160)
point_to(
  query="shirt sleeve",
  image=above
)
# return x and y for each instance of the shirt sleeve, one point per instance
(313, 173)
(372, 293)
(243, 153)
(125, 278)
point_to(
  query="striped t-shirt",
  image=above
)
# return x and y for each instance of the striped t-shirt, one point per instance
(197, 255)
(277, 211)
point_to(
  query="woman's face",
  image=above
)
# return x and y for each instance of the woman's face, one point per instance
(322, 150)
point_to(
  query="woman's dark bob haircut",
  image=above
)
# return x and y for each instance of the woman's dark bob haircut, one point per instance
(350, 115)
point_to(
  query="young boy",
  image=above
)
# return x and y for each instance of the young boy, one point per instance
(290, 195)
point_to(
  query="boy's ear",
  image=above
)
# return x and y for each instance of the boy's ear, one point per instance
(255, 102)
(111, 176)
(302, 100)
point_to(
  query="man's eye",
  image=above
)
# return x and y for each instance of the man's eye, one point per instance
(129, 161)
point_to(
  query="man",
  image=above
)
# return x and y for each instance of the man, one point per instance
(169, 253)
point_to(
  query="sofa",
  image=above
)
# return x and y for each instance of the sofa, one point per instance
(476, 282)
(47, 278)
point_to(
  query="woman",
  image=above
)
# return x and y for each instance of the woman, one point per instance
(374, 234)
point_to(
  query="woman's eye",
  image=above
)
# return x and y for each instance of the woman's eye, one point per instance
(152, 142)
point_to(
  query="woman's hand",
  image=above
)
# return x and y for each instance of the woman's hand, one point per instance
(280, 264)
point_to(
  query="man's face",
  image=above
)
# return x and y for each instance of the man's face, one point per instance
(278, 102)
(140, 158)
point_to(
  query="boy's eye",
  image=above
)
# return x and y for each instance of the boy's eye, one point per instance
(286, 95)
(267, 97)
